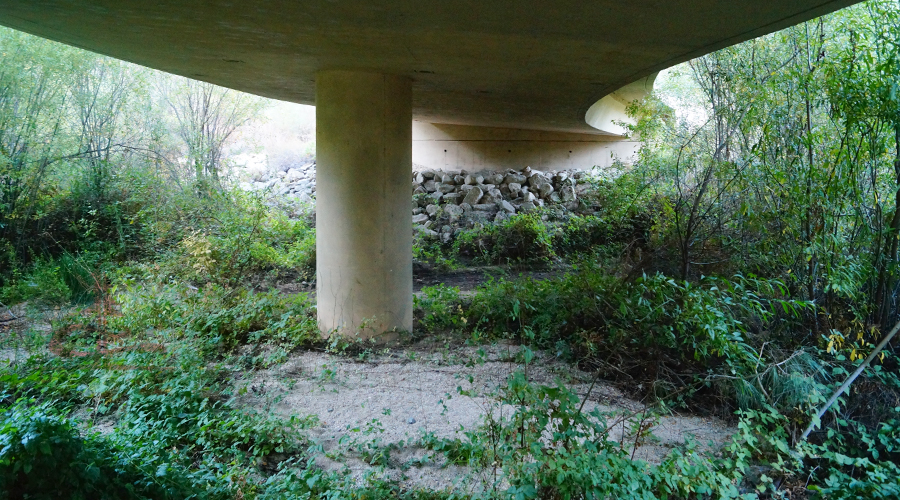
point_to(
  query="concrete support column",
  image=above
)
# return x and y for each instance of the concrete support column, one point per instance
(363, 208)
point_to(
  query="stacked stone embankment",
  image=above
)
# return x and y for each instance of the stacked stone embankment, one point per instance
(295, 183)
(445, 201)
(488, 196)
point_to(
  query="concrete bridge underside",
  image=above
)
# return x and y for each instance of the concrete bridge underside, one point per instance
(564, 67)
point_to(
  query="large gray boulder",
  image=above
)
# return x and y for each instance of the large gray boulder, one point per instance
(515, 178)
(545, 190)
(452, 198)
(473, 196)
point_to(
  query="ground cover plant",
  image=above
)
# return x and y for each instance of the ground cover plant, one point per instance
(743, 266)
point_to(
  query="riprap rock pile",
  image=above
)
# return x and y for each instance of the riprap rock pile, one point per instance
(469, 198)
(298, 183)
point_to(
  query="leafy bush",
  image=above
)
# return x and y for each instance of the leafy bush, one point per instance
(44, 284)
(220, 317)
(438, 308)
(43, 455)
(232, 238)
(521, 238)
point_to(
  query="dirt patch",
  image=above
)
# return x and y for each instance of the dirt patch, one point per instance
(391, 400)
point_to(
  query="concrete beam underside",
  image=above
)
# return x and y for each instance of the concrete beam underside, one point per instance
(363, 216)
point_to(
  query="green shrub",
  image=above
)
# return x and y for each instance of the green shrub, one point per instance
(43, 456)
(45, 283)
(439, 308)
(519, 239)
(581, 234)
(221, 317)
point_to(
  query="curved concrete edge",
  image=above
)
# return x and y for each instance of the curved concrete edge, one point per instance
(609, 113)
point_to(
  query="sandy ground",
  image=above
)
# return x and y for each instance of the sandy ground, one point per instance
(392, 399)
(395, 398)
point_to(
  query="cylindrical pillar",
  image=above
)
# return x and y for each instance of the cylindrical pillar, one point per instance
(363, 215)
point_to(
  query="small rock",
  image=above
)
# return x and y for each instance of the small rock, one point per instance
(417, 211)
(459, 179)
(495, 179)
(479, 179)
(419, 219)
(446, 188)
(465, 207)
(447, 179)
(411, 421)
(436, 197)
(507, 207)
(428, 174)
(529, 197)
(527, 207)
(419, 178)
(469, 180)
(430, 186)
(419, 190)
(432, 209)
(484, 207)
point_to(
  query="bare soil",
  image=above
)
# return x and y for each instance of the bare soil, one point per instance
(392, 399)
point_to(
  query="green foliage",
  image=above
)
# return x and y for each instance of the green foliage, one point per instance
(42, 454)
(521, 238)
(439, 308)
(548, 448)
(44, 284)
(582, 234)
(858, 462)
(229, 238)
(220, 318)
(652, 312)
